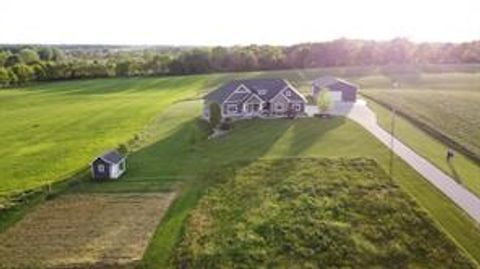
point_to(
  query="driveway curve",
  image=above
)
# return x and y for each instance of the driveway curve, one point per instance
(462, 197)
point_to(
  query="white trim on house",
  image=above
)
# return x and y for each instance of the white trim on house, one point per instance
(227, 113)
(116, 170)
(258, 99)
(279, 103)
(241, 86)
(294, 90)
(230, 110)
(297, 107)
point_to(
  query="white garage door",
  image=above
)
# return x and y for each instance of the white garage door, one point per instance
(336, 96)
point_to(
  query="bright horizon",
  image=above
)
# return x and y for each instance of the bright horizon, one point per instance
(210, 22)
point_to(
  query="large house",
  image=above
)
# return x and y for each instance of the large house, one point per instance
(255, 97)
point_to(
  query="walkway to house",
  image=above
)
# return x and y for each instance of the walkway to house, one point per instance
(456, 192)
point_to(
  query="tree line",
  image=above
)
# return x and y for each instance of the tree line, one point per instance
(20, 64)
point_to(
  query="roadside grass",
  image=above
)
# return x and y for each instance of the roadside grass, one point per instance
(452, 113)
(461, 168)
(311, 213)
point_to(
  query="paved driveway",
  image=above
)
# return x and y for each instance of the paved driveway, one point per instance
(456, 192)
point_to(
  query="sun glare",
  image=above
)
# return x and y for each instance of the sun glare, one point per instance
(210, 22)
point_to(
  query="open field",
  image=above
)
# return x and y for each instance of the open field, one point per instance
(52, 130)
(99, 230)
(448, 106)
(312, 213)
(172, 149)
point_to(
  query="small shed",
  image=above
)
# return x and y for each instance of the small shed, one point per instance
(340, 90)
(110, 165)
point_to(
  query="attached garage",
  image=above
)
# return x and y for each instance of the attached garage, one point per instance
(336, 96)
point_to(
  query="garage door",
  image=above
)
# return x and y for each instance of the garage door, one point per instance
(336, 96)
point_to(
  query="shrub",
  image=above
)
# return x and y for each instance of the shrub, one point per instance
(215, 115)
(225, 126)
(324, 101)
(310, 100)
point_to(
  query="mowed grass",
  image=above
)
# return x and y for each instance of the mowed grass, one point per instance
(53, 130)
(180, 156)
(173, 151)
(84, 231)
(312, 213)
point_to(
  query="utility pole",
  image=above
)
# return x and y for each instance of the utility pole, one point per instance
(392, 141)
(392, 132)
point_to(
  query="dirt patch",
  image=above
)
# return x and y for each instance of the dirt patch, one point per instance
(85, 230)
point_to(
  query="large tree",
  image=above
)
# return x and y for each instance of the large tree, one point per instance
(45, 54)
(4, 78)
(23, 72)
(12, 60)
(29, 56)
(3, 57)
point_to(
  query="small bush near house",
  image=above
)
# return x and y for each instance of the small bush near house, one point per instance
(311, 100)
(215, 115)
(225, 125)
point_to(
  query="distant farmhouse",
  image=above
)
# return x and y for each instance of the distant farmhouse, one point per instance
(110, 165)
(341, 91)
(256, 97)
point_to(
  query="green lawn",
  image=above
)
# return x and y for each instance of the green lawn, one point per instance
(311, 213)
(52, 130)
(182, 157)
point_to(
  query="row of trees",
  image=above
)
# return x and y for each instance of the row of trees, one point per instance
(20, 64)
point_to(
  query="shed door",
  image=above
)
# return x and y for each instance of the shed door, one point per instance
(336, 96)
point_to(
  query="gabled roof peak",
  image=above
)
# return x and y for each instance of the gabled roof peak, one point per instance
(112, 156)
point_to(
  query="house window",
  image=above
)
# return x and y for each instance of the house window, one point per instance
(121, 166)
(262, 92)
(101, 168)
(298, 107)
(288, 93)
(279, 107)
(232, 108)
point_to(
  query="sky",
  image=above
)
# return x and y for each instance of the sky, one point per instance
(239, 22)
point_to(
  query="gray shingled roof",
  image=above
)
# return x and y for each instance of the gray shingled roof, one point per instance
(327, 81)
(238, 97)
(112, 156)
(272, 86)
